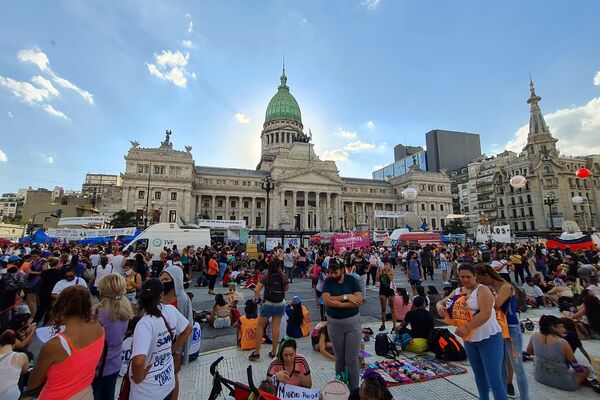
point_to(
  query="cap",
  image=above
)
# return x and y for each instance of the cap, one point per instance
(296, 299)
(153, 286)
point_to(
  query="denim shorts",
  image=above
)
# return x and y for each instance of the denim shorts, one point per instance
(268, 309)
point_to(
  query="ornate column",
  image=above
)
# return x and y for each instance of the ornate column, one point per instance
(226, 207)
(294, 194)
(212, 212)
(240, 208)
(364, 213)
(252, 218)
(305, 210)
(317, 211)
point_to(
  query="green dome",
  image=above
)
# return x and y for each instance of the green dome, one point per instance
(283, 105)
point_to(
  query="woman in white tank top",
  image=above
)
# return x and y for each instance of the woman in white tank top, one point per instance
(12, 365)
(482, 335)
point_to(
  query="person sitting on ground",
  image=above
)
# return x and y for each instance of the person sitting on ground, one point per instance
(555, 364)
(434, 296)
(561, 290)
(535, 296)
(290, 367)
(589, 313)
(373, 387)
(220, 317)
(421, 294)
(402, 304)
(420, 320)
(570, 335)
(320, 340)
(298, 324)
(254, 278)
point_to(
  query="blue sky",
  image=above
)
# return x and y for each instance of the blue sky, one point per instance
(79, 79)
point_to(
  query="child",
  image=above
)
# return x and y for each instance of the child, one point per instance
(421, 293)
(570, 336)
(402, 304)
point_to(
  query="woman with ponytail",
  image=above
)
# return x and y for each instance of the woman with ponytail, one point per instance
(114, 312)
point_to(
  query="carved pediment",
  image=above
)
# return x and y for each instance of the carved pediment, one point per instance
(309, 176)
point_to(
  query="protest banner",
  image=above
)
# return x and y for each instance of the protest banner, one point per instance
(222, 223)
(380, 236)
(80, 234)
(388, 214)
(500, 233)
(351, 240)
(97, 220)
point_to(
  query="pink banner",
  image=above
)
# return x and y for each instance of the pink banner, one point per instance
(351, 240)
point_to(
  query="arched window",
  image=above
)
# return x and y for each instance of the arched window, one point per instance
(547, 170)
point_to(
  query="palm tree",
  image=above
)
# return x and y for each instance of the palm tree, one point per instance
(123, 219)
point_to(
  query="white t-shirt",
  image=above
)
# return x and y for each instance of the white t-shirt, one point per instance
(117, 264)
(101, 272)
(95, 259)
(171, 263)
(63, 284)
(152, 339)
(125, 355)
(532, 291)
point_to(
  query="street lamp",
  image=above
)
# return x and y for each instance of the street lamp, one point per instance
(268, 185)
(341, 224)
(550, 200)
(330, 226)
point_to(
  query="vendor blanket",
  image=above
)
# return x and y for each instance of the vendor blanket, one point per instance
(415, 369)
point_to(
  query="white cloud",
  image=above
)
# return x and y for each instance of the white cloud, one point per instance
(39, 58)
(241, 118)
(335, 155)
(370, 124)
(87, 96)
(50, 159)
(46, 84)
(3, 157)
(191, 27)
(25, 91)
(10, 114)
(345, 134)
(170, 66)
(378, 166)
(188, 15)
(370, 4)
(597, 79)
(35, 56)
(52, 111)
(187, 43)
(577, 128)
(358, 146)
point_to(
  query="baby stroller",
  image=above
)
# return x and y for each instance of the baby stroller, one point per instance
(237, 390)
(526, 324)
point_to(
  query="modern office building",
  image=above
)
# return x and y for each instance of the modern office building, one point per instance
(405, 157)
(451, 150)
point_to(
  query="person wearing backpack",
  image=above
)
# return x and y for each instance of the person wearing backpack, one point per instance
(275, 284)
(342, 298)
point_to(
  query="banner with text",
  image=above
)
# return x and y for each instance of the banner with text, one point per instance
(78, 234)
(351, 240)
(500, 233)
(222, 223)
(289, 392)
(388, 214)
(380, 236)
(98, 220)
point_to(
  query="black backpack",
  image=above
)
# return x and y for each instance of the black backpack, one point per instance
(446, 346)
(274, 290)
(384, 346)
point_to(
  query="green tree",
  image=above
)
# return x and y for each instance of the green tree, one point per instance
(123, 219)
(455, 226)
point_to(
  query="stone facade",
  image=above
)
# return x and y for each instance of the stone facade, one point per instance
(309, 194)
(547, 172)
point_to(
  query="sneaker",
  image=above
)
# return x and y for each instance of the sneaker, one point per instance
(510, 389)
(253, 356)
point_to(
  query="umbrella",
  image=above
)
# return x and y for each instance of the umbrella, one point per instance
(5, 241)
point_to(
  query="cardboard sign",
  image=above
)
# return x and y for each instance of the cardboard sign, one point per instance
(291, 392)
(500, 233)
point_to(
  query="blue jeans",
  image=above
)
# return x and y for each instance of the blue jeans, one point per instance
(486, 359)
(222, 269)
(104, 387)
(516, 359)
(541, 267)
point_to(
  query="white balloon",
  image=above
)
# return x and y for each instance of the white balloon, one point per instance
(409, 193)
(578, 200)
(518, 181)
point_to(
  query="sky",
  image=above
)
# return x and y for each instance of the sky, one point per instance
(79, 80)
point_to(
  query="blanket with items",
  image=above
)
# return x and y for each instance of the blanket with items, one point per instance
(406, 370)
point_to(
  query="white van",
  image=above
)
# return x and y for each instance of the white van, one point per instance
(158, 236)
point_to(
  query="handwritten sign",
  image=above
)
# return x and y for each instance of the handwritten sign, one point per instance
(291, 392)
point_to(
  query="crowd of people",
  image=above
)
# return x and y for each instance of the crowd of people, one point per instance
(94, 298)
